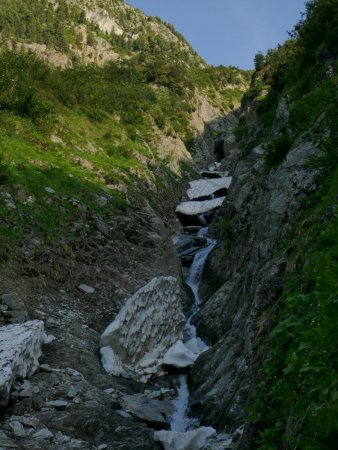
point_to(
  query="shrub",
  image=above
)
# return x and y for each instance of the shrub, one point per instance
(4, 170)
(276, 151)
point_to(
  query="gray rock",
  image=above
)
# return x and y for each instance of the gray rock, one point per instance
(26, 390)
(6, 442)
(43, 434)
(78, 444)
(187, 246)
(124, 414)
(185, 243)
(109, 391)
(30, 422)
(86, 289)
(16, 306)
(153, 412)
(17, 428)
(72, 392)
(58, 404)
(49, 339)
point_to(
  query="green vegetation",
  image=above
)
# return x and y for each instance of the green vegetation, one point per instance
(91, 130)
(294, 405)
(303, 71)
(36, 21)
(259, 61)
(276, 150)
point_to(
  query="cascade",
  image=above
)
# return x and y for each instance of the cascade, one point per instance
(181, 425)
(180, 421)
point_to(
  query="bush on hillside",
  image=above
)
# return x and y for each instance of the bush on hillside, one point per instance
(276, 150)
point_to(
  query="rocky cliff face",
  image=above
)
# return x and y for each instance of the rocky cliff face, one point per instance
(245, 277)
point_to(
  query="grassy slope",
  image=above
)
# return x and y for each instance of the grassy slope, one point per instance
(107, 120)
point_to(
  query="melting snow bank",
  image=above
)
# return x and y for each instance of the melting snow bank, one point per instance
(146, 327)
(182, 355)
(195, 208)
(205, 188)
(190, 440)
(20, 349)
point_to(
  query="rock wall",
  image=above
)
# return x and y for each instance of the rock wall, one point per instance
(249, 267)
(212, 127)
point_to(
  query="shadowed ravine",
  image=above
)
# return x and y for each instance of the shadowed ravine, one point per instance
(185, 428)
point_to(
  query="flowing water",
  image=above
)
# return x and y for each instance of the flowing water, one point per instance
(180, 420)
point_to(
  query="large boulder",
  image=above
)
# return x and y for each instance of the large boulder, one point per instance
(205, 188)
(190, 440)
(20, 349)
(151, 411)
(146, 327)
(187, 246)
(15, 307)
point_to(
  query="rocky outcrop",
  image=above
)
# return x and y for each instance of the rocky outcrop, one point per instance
(13, 308)
(258, 213)
(151, 411)
(20, 349)
(187, 246)
(214, 131)
(150, 322)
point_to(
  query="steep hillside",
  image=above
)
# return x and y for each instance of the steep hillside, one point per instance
(271, 323)
(101, 111)
(115, 128)
(64, 32)
(104, 115)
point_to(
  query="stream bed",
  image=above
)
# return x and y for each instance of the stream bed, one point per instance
(180, 421)
(194, 247)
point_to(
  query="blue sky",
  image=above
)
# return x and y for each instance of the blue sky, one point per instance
(228, 32)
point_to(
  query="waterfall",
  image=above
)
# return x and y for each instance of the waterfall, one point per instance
(180, 420)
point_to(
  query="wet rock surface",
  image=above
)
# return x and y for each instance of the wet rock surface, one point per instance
(248, 276)
(151, 411)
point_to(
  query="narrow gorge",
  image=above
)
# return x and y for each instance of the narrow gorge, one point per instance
(168, 235)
